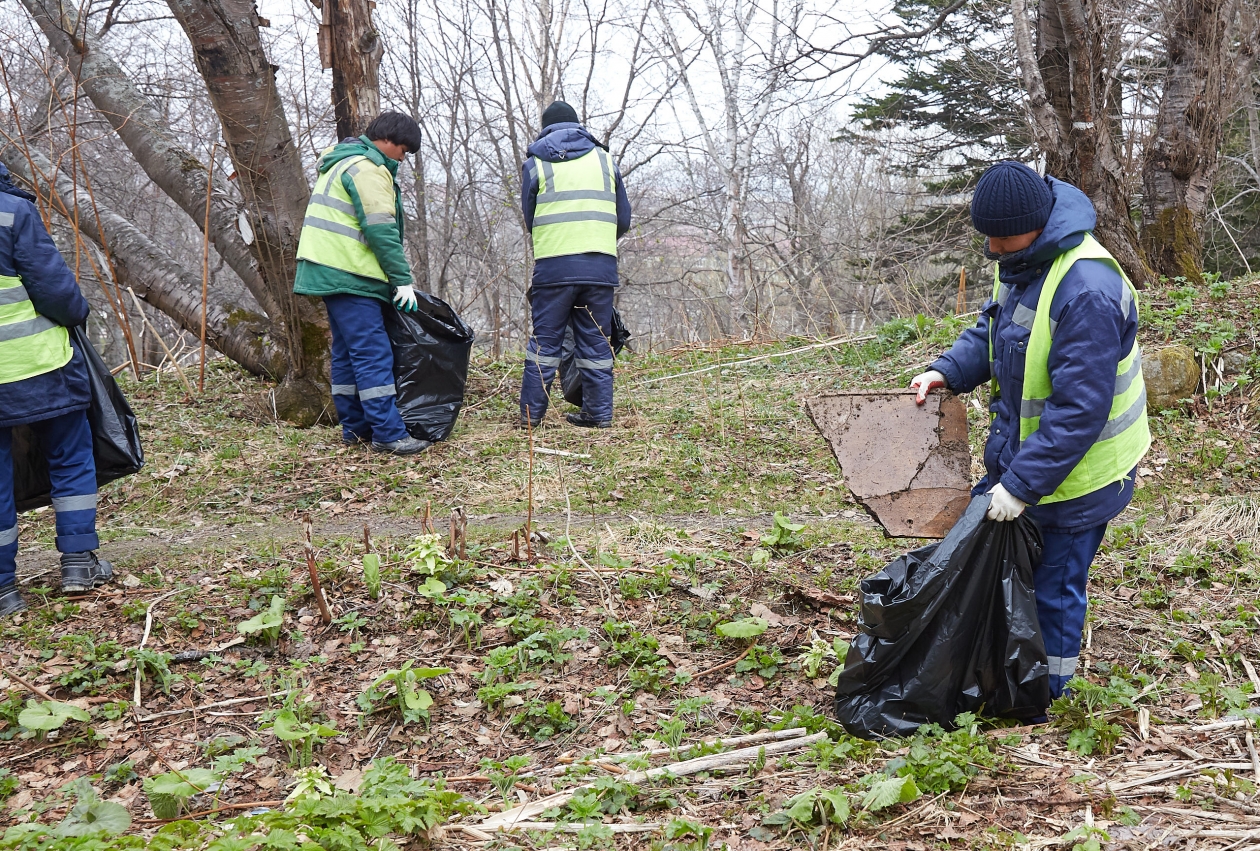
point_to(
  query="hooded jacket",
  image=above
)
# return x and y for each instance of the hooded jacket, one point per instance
(28, 252)
(557, 143)
(370, 190)
(1090, 338)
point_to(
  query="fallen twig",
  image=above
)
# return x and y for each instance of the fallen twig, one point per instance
(1255, 758)
(742, 756)
(724, 665)
(484, 833)
(732, 741)
(236, 701)
(31, 687)
(247, 805)
(562, 453)
(148, 627)
(839, 341)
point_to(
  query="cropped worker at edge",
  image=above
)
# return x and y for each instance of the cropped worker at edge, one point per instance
(1058, 340)
(576, 208)
(44, 385)
(350, 254)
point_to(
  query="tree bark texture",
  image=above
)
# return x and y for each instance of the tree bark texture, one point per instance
(242, 86)
(350, 45)
(1071, 56)
(141, 127)
(1183, 154)
(151, 273)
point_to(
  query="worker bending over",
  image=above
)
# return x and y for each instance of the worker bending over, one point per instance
(44, 385)
(350, 254)
(576, 209)
(1058, 341)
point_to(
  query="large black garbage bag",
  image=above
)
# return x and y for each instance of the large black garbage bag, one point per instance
(949, 628)
(432, 347)
(115, 435)
(570, 377)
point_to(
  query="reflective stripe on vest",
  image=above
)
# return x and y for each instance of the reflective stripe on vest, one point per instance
(331, 235)
(30, 344)
(576, 211)
(1126, 437)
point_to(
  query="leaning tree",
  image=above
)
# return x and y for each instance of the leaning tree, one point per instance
(255, 228)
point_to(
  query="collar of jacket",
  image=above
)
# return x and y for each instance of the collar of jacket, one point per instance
(374, 154)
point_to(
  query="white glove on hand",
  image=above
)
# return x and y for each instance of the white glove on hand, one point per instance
(927, 382)
(1004, 506)
(405, 298)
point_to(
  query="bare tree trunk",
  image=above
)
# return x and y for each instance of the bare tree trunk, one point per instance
(1183, 154)
(150, 271)
(350, 45)
(242, 87)
(144, 131)
(1071, 60)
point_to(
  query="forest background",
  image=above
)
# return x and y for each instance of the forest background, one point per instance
(796, 168)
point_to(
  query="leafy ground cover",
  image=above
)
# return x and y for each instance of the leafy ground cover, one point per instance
(690, 576)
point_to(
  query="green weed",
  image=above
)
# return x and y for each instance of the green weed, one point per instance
(542, 720)
(1085, 710)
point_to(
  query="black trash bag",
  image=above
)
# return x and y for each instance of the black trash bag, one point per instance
(115, 435)
(432, 348)
(570, 376)
(947, 629)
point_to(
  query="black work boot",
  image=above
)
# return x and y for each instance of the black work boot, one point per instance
(11, 601)
(406, 446)
(583, 420)
(82, 572)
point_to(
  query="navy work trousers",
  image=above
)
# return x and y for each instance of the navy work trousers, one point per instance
(589, 308)
(363, 369)
(67, 444)
(1060, 585)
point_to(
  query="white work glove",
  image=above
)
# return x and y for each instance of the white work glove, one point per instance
(926, 383)
(405, 298)
(1004, 506)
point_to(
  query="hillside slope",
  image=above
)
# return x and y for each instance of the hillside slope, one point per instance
(600, 635)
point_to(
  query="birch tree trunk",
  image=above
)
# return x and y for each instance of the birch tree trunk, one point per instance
(1183, 154)
(242, 86)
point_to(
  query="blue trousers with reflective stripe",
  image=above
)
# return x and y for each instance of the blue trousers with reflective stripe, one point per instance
(363, 369)
(589, 307)
(67, 444)
(1060, 584)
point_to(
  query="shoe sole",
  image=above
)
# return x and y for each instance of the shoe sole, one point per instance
(84, 589)
(401, 454)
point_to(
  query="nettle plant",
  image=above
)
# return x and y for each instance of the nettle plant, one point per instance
(412, 700)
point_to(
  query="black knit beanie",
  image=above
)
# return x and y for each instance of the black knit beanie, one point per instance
(559, 113)
(1010, 199)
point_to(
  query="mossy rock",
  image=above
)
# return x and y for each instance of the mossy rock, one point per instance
(1171, 374)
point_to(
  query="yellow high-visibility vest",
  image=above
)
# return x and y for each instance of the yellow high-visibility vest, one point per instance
(1126, 437)
(576, 210)
(30, 344)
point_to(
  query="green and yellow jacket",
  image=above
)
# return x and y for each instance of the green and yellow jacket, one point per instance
(351, 242)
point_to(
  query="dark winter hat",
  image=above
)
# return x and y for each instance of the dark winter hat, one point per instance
(1010, 199)
(559, 113)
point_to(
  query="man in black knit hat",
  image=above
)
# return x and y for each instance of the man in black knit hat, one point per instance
(576, 208)
(1058, 344)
